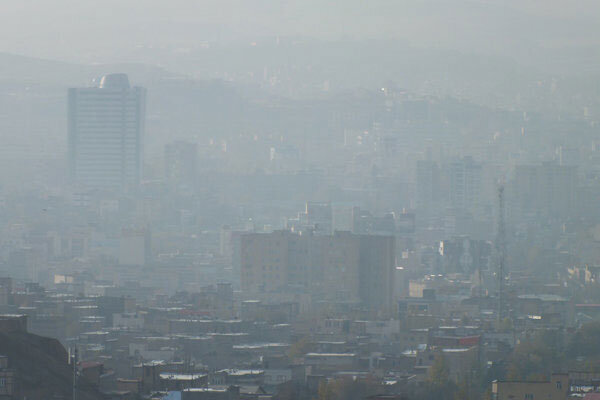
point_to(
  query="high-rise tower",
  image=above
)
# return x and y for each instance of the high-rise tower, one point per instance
(106, 129)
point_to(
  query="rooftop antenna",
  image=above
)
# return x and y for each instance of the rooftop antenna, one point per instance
(501, 252)
(74, 360)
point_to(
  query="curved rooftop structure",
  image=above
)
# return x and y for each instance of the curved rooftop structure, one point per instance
(114, 81)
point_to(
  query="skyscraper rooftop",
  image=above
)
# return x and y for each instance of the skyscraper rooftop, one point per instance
(114, 81)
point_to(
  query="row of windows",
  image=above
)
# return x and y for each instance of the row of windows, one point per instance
(104, 162)
(113, 150)
(104, 122)
(103, 126)
(101, 145)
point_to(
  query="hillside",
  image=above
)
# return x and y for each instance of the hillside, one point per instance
(42, 367)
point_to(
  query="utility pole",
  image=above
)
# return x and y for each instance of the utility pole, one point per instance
(75, 372)
(501, 253)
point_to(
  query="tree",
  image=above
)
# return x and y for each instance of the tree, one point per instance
(536, 358)
(585, 342)
(506, 325)
(463, 391)
(300, 348)
(439, 373)
(347, 389)
(326, 391)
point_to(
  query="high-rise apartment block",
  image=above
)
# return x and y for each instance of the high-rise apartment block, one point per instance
(106, 129)
(546, 190)
(429, 198)
(342, 267)
(465, 176)
(181, 159)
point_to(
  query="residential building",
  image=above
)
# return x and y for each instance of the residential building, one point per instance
(134, 247)
(555, 389)
(342, 267)
(465, 176)
(546, 190)
(181, 160)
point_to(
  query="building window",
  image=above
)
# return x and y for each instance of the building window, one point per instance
(559, 385)
(2, 382)
(528, 396)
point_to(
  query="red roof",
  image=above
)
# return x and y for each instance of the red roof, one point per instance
(89, 364)
(469, 340)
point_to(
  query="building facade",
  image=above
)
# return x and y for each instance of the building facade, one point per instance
(342, 267)
(555, 389)
(106, 129)
(181, 163)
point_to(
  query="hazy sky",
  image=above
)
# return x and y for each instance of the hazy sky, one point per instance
(69, 29)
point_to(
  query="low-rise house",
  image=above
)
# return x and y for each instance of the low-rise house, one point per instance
(211, 393)
(331, 361)
(8, 379)
(172, 381)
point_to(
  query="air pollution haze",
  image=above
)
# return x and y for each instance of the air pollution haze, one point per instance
(298, 200)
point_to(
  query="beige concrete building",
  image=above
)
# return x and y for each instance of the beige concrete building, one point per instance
(555, 389)
(342, 267)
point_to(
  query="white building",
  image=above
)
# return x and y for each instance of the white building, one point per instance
(134, 247)
(130, 321)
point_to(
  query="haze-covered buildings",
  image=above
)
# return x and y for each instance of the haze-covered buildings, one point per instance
(106, 132)
(339, 268)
